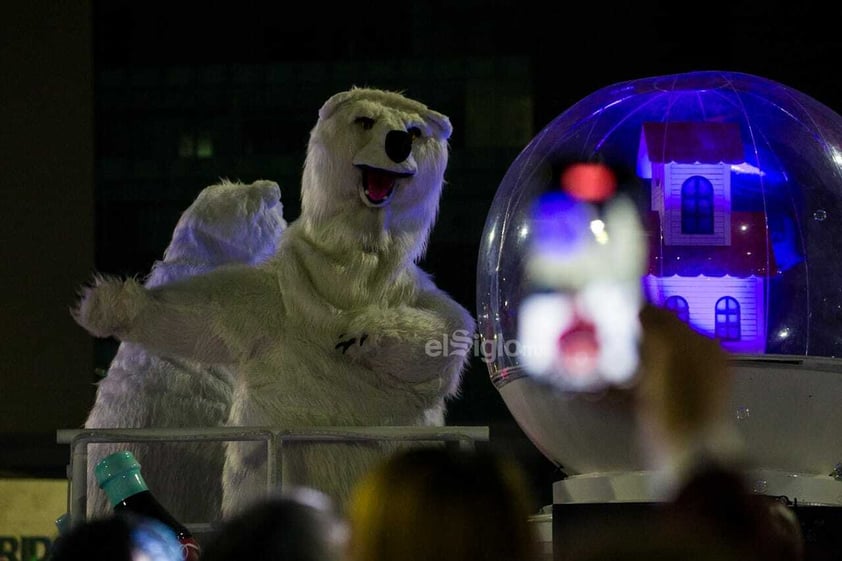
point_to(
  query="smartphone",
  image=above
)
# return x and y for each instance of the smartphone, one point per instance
(578, 321)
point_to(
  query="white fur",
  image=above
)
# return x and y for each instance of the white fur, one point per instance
(333, 330)
(227, 223)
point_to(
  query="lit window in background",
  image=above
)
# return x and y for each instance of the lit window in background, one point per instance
(186, 146)
(204, 146)
(192, 145)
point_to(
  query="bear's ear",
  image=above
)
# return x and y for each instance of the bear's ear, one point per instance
(333, 103)
(439, 124)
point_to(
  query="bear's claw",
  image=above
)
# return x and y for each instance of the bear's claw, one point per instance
(348, 343)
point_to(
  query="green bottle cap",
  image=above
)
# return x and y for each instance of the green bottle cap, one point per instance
(119, 476)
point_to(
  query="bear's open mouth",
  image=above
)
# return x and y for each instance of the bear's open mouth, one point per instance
(378, 185)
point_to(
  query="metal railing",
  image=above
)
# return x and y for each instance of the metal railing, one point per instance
(77, 469)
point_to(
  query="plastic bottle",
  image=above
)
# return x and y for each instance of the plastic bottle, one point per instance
(119, 476)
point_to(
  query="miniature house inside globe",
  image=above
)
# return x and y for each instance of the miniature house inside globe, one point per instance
(738, 185)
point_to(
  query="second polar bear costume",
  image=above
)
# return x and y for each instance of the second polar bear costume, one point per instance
(340, 327)
(229, 222)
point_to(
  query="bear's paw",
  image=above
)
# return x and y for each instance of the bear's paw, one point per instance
(107, 306)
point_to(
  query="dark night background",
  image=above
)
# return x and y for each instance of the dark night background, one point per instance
(110, 108)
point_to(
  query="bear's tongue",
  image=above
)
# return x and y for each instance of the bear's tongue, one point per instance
(379, 184)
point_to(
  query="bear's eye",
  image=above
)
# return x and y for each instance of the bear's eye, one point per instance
(365, 122)
(414, 132)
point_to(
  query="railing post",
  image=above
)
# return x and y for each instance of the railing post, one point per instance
(78, 491)
(272, 460)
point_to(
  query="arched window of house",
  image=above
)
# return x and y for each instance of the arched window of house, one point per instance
(697, 206)
(678, 306)
(728, 319)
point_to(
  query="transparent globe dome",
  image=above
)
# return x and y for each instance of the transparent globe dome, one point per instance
(741, 197)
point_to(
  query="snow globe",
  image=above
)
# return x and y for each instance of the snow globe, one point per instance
(739, 189)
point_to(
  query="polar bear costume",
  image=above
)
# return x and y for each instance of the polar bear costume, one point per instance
(227, 223)
(340, 326)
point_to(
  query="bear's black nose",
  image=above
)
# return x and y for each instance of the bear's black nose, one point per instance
(398, 145)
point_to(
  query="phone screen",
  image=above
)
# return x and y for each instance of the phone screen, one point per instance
(578, 324)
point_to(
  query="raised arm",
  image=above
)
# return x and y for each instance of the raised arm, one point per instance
(215, 318)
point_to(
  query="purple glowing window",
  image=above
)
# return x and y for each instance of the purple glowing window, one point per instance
(679, 307)
(697, 206)
(727, 319)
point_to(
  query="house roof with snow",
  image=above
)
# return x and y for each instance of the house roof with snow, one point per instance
(688, 142)
(750, 252)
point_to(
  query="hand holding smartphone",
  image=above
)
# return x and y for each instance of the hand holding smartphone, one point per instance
(578, 325)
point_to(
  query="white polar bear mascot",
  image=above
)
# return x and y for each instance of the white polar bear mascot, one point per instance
(229, 222)
(340, 326)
